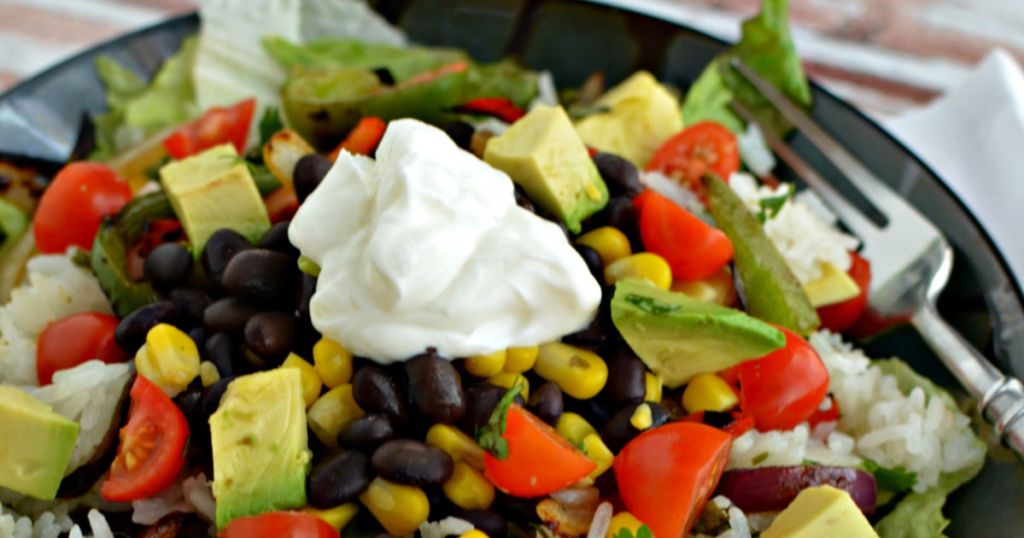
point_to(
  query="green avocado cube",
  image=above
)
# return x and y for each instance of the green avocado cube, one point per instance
(260, 445)
(214, 190)
(544, 155)
(679, 337)
(36, 444)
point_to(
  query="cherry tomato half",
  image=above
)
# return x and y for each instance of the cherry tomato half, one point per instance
(785, 387)
(220, 125)
(151, 451)
(703, 147)
(279, 525)
(693, 249)
(71, 208)
(539, 460)
(70, 341)
(666, 474)
(840, 317)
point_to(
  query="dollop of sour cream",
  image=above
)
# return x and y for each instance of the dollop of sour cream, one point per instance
(425, 246)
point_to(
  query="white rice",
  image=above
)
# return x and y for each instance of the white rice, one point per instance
(877, 421)
(55, 288)
(51, 524)
(805, 236)
(88, 394)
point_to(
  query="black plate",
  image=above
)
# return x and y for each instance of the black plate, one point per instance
(41, 118)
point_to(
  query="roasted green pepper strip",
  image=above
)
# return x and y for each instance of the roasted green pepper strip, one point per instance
(769, 288)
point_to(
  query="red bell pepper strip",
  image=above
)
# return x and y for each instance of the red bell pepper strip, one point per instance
(219, 125)
(499, 107)
(363, 139)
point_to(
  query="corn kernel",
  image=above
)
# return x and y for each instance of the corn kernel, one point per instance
(578, 372)
(520, 359)
(475, 533)
(468, 488)
(708, 392)
(574, 427)
(486, 365)
(311, 383)
(400, 509)
(456, 444)
(208, 373)
(609, 243)
(623, 520)
(507, 379)
(331, 413)
(641, 418)
(717, 289)
(646, 265)
(169, 359)
(599, 453)
(333, 362)
(337, 517)
(652, 387)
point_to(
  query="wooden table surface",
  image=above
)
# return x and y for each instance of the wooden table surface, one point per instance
(886, 56)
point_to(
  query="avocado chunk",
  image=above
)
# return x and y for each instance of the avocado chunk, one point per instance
(37, 444)
(641, 115)
(679, 337)
(833, 286)
(214, 190)
(769, 289)
(821, 511)
(543, 154)
(259, 440)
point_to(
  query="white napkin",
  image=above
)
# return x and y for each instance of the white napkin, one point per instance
(973, 137)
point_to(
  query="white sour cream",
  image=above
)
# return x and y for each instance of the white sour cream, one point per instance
(426, 247)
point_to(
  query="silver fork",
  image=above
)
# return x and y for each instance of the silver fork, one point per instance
(910, 261)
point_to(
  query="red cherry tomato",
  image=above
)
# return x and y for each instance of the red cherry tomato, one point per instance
(785, 387)
(72, 206)
(700, 148)
(220, 125)
(70, 341)
(539, 460)
(840, 317)
(151, 451)
(363, 138)
(693, 249)
(666, 474)
(279, 525)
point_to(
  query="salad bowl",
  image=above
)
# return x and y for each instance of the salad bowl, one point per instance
(41, 118)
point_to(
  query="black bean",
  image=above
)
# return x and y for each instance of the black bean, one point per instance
(384, 76)
(270, 335)
(460, 132)
(338, 479)
(130, 333)
(621, 214)
(593, 261)
(262, 276)
(375, 392)
(488, 522)
(190, 403)
(523, 201)
(191, 303)
(218, 251)
(627, 381)
(619, 430)
(620, 175)
(367, 432)
(167, 266)
(412, 462)
(717, 419)
(199, 336)
(212, 396)
(229, 314)
(224, 353)
(309, 172)
(546, 402)
(305, 293)
(276, 238)
(435, 388)
(593, 335)
(480, 403)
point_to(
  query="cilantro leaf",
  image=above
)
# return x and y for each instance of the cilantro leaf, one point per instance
(490, 437)
(771, 205)
(894, 479)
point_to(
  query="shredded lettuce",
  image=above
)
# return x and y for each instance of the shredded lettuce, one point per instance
(767, 47)
(919, 515)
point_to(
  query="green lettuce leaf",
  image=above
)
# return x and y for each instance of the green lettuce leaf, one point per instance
(135, 109)
(919, 515)
(767, 47)
(402, 62)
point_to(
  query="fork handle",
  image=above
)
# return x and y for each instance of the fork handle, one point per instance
(1000, 398)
